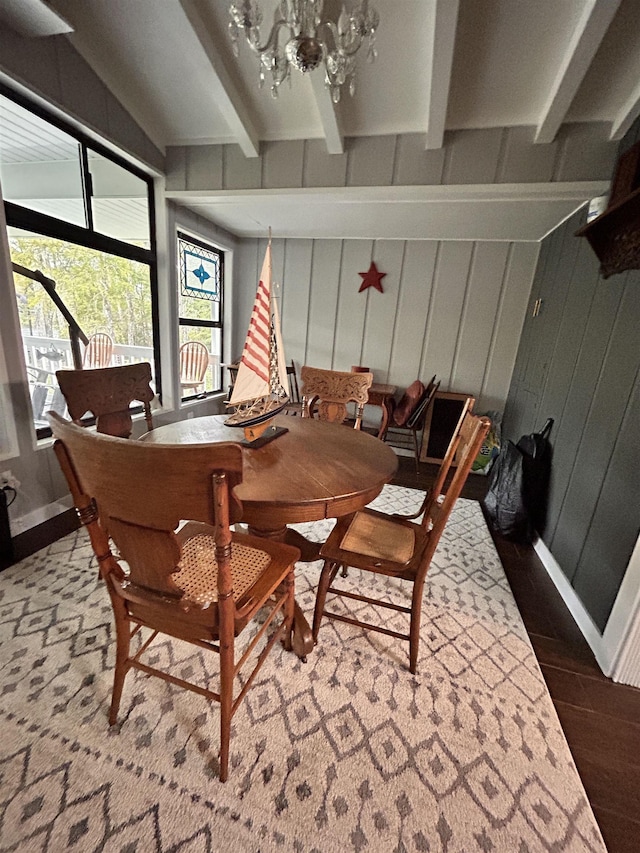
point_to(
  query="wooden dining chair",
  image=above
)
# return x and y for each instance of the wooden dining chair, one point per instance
(294, 391)
(294, 406)
(326, 393)
(196, 581)
(194, 361)
(107, 394)
(396, 547)
(98, 351)
(436, 490)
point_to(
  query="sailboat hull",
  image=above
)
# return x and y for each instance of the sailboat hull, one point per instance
(249, 418)
(258, 436)
(258, 429)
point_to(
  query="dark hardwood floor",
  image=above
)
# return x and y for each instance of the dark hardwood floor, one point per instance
(600, 719)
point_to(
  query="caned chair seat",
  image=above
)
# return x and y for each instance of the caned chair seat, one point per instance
(398, 546)
(198, 575)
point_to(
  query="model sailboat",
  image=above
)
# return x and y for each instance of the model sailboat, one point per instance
(259, 392)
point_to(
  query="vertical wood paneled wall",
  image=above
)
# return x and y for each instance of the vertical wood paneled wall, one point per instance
(579, 363)
(581, 152)
(454, 309)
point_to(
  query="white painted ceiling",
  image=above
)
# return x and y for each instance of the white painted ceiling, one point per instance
(442, 65)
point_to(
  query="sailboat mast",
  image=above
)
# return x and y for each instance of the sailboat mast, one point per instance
(281, 364)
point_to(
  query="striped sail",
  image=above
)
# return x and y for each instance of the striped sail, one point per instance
(257, 374)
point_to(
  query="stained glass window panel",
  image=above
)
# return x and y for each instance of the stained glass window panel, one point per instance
(200, 276)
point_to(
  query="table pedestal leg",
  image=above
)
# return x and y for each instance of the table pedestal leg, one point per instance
(309, 551)
(301, 639)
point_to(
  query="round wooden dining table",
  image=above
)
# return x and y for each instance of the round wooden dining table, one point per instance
(314, 470)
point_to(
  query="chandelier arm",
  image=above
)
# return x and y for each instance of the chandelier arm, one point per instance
(343, 51)
(272, 42)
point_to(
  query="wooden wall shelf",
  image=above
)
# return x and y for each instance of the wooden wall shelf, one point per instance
(615, 235)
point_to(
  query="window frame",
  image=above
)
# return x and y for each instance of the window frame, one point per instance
(18, 216)
(202, 243)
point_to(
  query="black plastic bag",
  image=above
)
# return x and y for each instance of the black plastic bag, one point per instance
(516, 499)
(536, 464)
(504, 502)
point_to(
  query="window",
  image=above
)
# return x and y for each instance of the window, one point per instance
(201, 277)
(119, 204)
(83, 218)
(102, 292)
(40, 165)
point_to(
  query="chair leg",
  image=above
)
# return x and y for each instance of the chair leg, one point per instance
(329, 571)
(416, 449)
(123, 639)
(289, 610)
(226, 694)
(414, 630)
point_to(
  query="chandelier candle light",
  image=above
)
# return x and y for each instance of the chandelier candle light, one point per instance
(310, 40)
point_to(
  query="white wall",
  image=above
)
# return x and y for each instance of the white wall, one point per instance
(454, 309)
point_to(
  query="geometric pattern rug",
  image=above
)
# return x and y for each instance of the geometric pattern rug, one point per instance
(346, 752)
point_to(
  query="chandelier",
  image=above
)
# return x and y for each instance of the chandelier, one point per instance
(307, 40)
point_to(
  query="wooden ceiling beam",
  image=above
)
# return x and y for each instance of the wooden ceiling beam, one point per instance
(585, 41)
(228, 99)
(33, 18)
(439, 52)
(329, 117)
(627, 115)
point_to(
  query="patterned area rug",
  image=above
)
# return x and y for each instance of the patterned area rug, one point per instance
(347, 752)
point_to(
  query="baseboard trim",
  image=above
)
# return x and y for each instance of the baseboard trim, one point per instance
(42, 535)
(577, 609)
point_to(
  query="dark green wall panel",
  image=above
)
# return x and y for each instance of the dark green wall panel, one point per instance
(601, 427)
(569, 428)
(553, 293)
(578, 363)
(612, 533)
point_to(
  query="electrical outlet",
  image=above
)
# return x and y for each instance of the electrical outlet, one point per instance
(7, 479)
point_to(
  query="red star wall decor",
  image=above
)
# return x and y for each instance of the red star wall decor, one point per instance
(372, 278)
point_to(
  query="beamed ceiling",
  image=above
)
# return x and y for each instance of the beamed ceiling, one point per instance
(442, 65)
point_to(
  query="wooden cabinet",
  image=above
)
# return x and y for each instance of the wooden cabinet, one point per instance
(440, 422)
